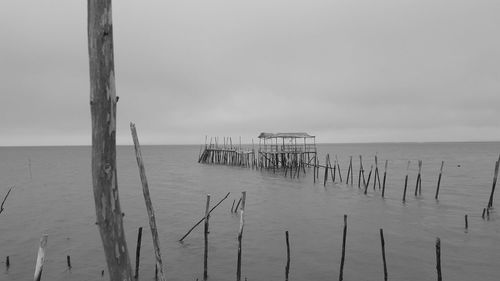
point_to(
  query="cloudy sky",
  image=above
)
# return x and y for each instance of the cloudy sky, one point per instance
(345, 71)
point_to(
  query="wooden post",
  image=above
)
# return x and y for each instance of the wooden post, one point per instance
(202, 219)
(326, 169)
(205, 256)
(406, 182)
(382, 242)
(418, 185)
(7, 262)
(103, 101)
(68, 261)
(484, 212)
(138, 252)
(341, 273)
(3, 201)
(376, 175)
(360, 171)
(338, 168)
(237, 205)
(466, 222)
(40, 258)
(490, 202)
(349, 171)
(368, 182)
(383, 184)
(439, 180)
(287, 268)
(149, 204)
(438, 259)
(240, 235)
(232, 206)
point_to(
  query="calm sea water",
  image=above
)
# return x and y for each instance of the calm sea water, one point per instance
(58, 200)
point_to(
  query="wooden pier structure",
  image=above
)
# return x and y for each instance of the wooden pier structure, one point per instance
(275, 151)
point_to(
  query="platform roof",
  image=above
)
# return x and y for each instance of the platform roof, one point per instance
(284, 135)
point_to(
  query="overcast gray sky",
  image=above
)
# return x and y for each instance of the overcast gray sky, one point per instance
(345, 71)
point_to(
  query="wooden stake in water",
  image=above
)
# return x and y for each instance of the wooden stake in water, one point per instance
(361, 172)
(287, 268)
(103, 108)
(439, 180)
(202, 219)
(406, 181)
(7, 262)
(490, 202)
(240, 235)
(232, 206)
(68, 261)
(368, 181)
(376, 176)
(438, 259)
(3, 201)
(205, 256)
(326, 169)
(383, 184)
(466, 222)
(149, 204)
(138, 252)
(338, 168)
(349, 171)
(40, 258)
(382, 242)
(342, 260)
(418, 185)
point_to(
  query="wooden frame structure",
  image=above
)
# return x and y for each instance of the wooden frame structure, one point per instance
(286, 150)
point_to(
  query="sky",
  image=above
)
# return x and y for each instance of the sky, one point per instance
(344, 71)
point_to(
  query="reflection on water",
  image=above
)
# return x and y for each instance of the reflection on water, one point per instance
(58, 200)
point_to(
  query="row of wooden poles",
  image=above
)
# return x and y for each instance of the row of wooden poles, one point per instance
(364, 182)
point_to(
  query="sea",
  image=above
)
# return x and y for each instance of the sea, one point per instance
(52, 194)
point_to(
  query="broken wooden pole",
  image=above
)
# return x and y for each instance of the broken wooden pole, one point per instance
(490, 202)
(418, 185)
(138, 252)
(287, 268)
(103, 101)
(342, 260)
(205, 256)
(202, 219)
(438, 259)
(382, 242)
(240, 235)
(149, 204)
(40, 259)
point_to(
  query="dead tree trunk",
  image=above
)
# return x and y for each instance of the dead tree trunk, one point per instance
(103, 111)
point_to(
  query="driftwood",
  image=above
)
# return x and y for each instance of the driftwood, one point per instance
(149, 204)
(202, 219)
(103, 101)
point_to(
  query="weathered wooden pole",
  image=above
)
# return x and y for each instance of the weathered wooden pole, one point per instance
(406, 182)
(205, 256)
(7, 262)
(240, 235)
(338, 168)
(237, 205)
(287, 268)
(349, 171)
(368, 182)
(68, 261)
(382, 242)
(326, 169)
(138, 252)
(3, 201)
(149, 204)
(342, 260)
(376, 175)
(439, 180)
(385, 174)
(418, 185)
(40, 259)
(360, 171)
(103, 101)
(438, 259)
(490, 202)
(466, 222)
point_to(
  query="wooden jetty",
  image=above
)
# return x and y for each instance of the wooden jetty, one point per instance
(275, 151)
